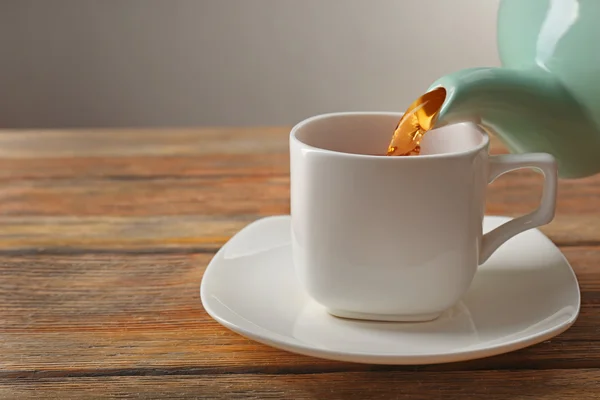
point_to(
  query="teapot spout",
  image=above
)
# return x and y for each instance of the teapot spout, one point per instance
(529, 111)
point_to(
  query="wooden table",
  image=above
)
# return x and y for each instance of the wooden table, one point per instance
(105, 237)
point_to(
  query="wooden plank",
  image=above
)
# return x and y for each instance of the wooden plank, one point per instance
(68, 143)
(144, 167)
(134, 142)
(222, 206)
(236, 194)
(257, 195)
(146, 153)
(491, 385)
(113, 314)
(139, 173)
(130, 154)
(187, 233)
(233, 178)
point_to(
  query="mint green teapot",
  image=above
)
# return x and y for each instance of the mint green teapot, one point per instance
(546, 95)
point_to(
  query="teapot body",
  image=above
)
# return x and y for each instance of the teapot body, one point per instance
(559, 37)
(545, 97)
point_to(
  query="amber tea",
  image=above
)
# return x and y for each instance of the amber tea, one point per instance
(419, 118)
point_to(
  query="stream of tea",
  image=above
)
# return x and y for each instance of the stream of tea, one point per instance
(418, 118)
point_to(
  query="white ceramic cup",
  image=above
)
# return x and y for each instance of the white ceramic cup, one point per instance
(396, 238)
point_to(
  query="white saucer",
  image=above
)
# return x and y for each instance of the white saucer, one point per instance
(524, 294)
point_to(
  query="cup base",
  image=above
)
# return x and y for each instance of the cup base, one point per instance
(384, 317)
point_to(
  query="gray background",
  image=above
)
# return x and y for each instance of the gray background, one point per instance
(228, 62)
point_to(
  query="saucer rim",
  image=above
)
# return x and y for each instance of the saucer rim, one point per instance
(289, 344)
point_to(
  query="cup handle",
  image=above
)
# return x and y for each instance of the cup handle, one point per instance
(500, 164)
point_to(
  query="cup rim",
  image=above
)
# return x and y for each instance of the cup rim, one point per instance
(294, 139)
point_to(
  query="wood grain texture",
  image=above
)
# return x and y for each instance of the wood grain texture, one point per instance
(491, 385)
(105, 237)
(91, 143)
(185, 234)
(104, 314)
